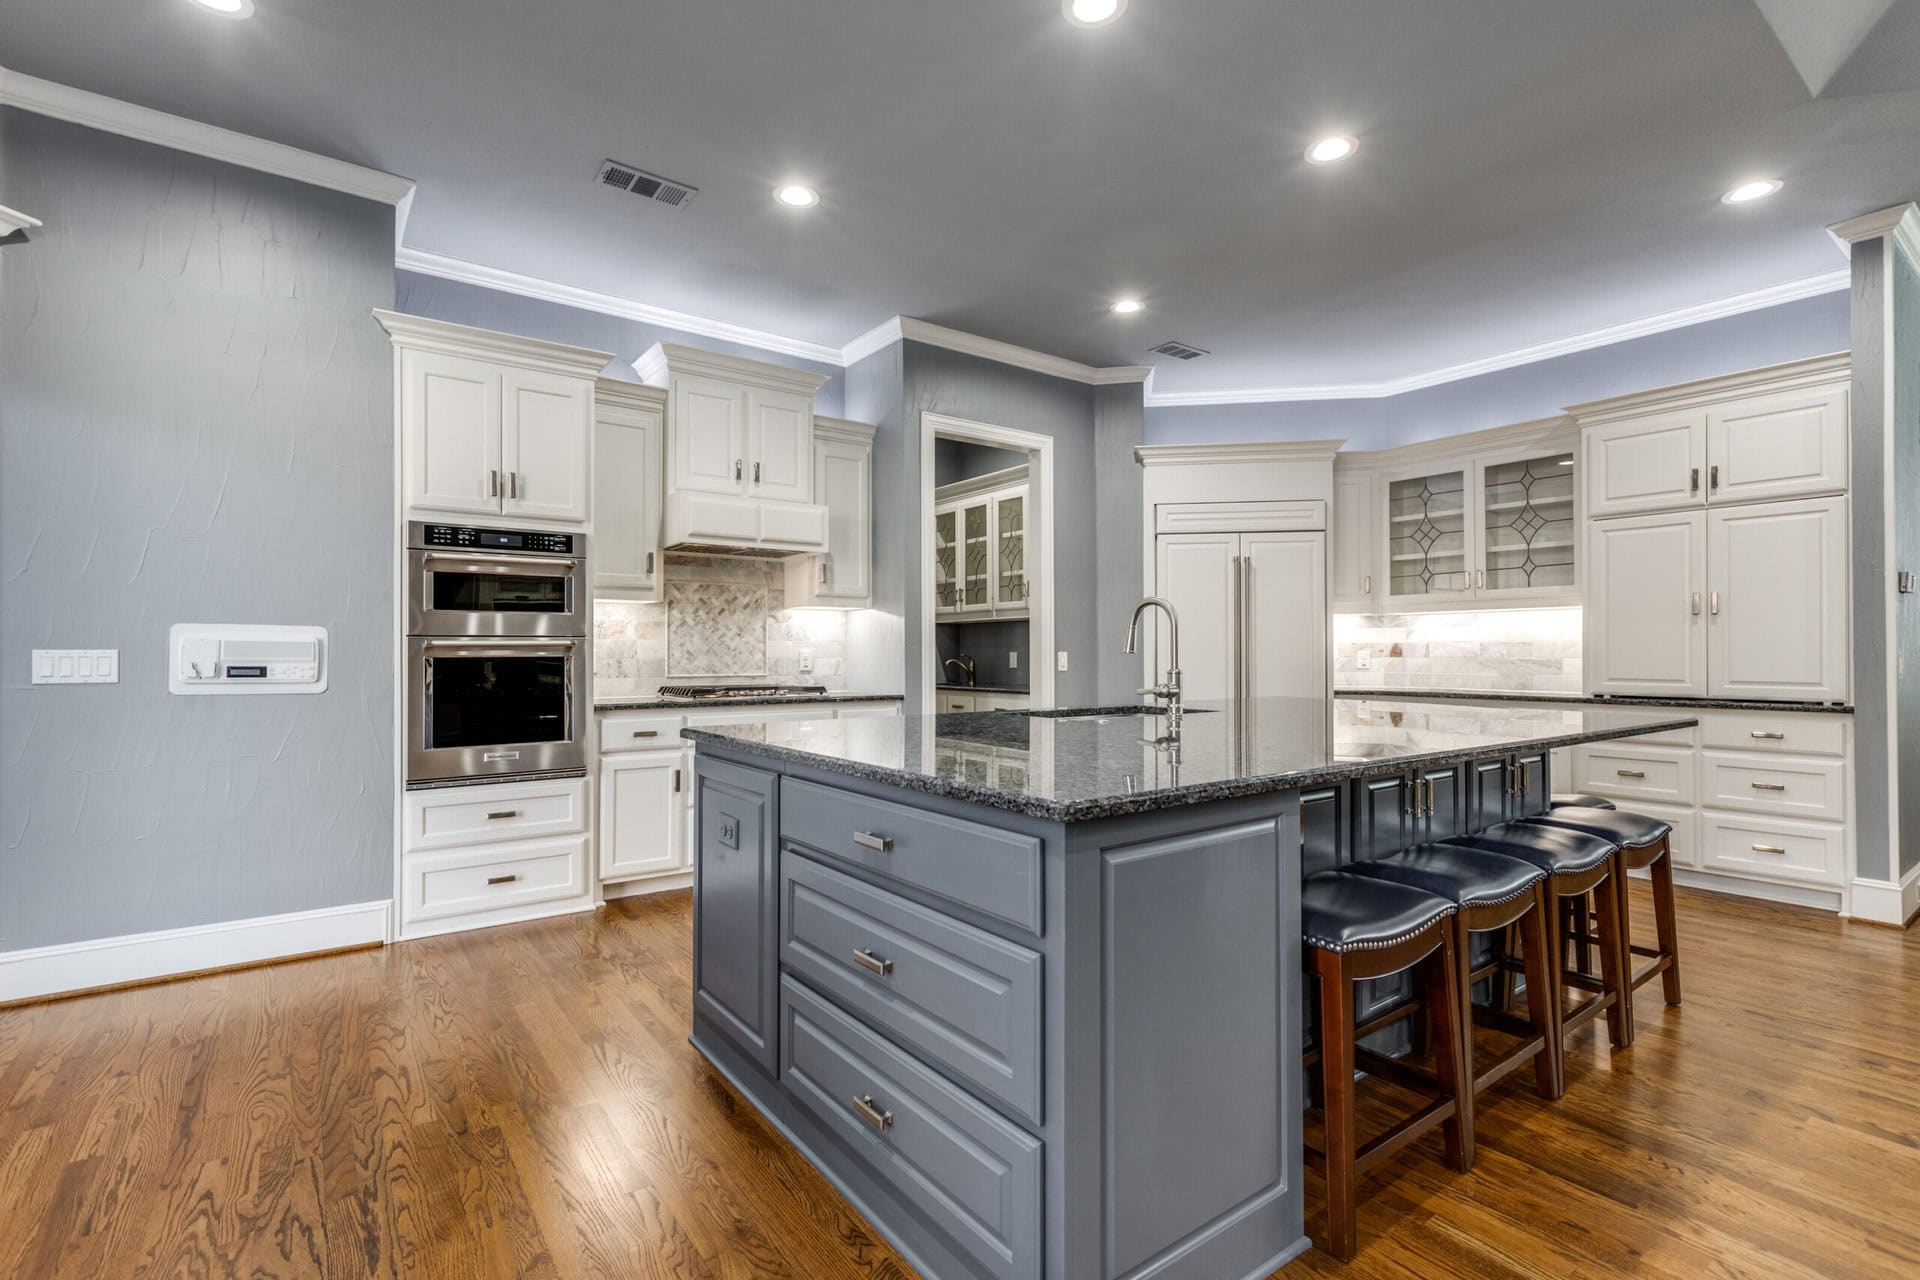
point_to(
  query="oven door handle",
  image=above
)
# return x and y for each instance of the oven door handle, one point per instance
(519, 566)
(505, 648)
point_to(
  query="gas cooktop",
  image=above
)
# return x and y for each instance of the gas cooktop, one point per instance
(740, 692)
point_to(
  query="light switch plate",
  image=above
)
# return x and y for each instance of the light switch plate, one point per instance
(1060, 661)
(76, 666)
(1013, 659)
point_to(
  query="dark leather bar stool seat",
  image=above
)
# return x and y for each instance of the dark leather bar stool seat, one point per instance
(1645, 845)
(1579, 800)
(1356, 928)
(1492, 891)
(1576, 864)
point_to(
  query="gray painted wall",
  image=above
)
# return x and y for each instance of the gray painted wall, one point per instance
(1792, 331)
(196, 427)
(989, 644)
(460, 303)
(1872, 666)
(957, 460)
(1905, 352)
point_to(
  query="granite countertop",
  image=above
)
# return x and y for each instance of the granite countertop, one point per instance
(1592, 700)
(682, 704)
(1073, 766)
(982, 688)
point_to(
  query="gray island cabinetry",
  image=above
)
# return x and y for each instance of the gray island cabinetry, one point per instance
(1026, 988)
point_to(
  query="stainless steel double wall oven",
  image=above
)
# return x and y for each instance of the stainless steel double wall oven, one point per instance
(497, 675)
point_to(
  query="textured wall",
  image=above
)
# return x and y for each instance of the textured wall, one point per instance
(1873, 672)
(957, 460)
(195, 425)
(1906, 555)
(460, 303)
(876, 637)
(1809, 327)
(1119, 573)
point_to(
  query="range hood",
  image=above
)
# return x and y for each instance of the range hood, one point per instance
(721, 524)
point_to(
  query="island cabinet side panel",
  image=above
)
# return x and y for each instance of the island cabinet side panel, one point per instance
(736, 992)
(1183, 981)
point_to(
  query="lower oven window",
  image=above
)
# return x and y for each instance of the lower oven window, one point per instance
(479, 702)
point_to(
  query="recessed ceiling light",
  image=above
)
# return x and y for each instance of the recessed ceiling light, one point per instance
(1129, 307)
(796, 196)
(1750, 191)
(1328, 150)
(1094, 13)
(228, 8)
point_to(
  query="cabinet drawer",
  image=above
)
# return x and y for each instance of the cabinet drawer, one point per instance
(1796, 732)
(990, 870)
(508, 875)
(964, 1000)
(973, 1175)
(1684, 844)
(640, 731)
(1772, 848)
(1786, 785)
(945, 702)
(446, 817)
(1635, 772)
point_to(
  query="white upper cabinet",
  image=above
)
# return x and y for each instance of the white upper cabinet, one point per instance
(736, 427)
(1525, 534)
(1351, 545)
(780, 444)
(841, 577)
(1646, 621)
(493, 424)
(1782, 445)
(1778, 606)
(710, 434)
(629, 485)
(1656, 463)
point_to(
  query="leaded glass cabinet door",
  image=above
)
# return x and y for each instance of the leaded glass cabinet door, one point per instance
(976, 557)
(1527, 532)
(1427, 537)
(946, 552)
(1010, 551)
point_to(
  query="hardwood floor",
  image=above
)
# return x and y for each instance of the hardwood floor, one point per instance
(523, 1102)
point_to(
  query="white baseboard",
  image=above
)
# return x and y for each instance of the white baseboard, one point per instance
(1793, 895)
(1887, 901)
(139, 957)
(654, 884)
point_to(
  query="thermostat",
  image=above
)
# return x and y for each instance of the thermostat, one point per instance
(213, 657)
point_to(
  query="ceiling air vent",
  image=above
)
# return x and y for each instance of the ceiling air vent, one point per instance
(1179, 351)
(625, 177)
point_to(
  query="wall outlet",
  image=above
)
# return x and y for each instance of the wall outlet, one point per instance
(1013, 660)
(805, 664)
(1363, 659)
(1060, 661)
(76, 666)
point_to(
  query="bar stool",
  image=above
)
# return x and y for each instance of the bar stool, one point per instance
(1645, 845)
(1492, 892)
(1355, 928)
(1579, 800)
(1576, 864)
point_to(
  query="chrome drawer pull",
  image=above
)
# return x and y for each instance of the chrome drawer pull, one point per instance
(646, 733)
(1768, 848)
(864, 1108)
(1768, 736)
(872, 963)
(504, 813)
(1769, 786)
(1629, 773)
(879, 844)
(501, 879)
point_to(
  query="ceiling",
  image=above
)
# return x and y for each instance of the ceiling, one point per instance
(1529, 170)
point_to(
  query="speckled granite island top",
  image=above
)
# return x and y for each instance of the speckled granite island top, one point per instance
(637, 703)
(1073, 766)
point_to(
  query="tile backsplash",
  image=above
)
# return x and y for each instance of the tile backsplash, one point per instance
(720, 617)
(1496, 650)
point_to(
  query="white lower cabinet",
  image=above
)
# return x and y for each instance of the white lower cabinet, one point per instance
(640, 795)
(487, 883)
(493, 854)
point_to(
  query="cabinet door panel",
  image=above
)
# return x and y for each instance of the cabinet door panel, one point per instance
(843, 481)
(1350, 541)
(450, 408)
(736, 896)
(1489, 784)
(1647, 464)
(628, 488)
(1195, 573)
(1429, 538)
(1527, 533)
(641, 817)
(1446, 797)
(1382, 817)
(1646, 577)
(780, 445)
(547, 430)
(1778, 446)
(1285, 612)
(708, 430)
(1778, 624)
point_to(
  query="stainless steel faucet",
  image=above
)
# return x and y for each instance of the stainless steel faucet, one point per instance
(1168, 690)
(964, 663)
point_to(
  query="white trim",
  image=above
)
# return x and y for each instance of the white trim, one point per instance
(139, 957)
(424, 334)
(12, 220)
(1901, 223)
(1040, 540)
(567, 295)
(972, 344)
(1817, 897)
(97, 111)
(1173, 455)
(1791, 376)
(1756, 300)
(647, 886)
(1887, 901)
(878, 338)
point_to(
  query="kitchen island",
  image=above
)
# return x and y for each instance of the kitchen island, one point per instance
(1025, 986)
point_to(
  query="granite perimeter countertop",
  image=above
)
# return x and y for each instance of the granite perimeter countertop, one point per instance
(1592, 700)
(1076, 765)
(685, 704)
(982, 688)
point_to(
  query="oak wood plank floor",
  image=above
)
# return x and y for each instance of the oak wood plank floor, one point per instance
(522, 1102)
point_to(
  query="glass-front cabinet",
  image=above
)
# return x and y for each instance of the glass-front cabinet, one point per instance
(946, 587)
(1427, 551)
(1010, 560)
(980, 547)
(1527, 529)
(976, 580)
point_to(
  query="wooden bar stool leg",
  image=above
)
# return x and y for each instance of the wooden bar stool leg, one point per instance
(1462, 989)
(1336, 1073)
(1542, 1009)
(1606, 897)
(1664, 924)
(1503, 980)
(1447, 1002)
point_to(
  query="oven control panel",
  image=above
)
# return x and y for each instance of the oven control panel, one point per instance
(467, 538)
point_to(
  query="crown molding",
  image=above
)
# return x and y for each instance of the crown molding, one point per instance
(618, 393)
(111, 115)
(974, 486)
(1739, 304)
(878, 338)
(448, 338)
(843, 430)
(659, 361)
(1174, 455)
(12, 220)
(1901, 223)
(1557, 432)
(1792, 376)
(972, 344)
